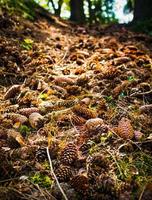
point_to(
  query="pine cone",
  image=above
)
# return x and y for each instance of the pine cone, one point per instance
(15, 117)
(73, 90)
(97, 165)
(15, 139)
(83, 112)
(110, 72)
(80, 183)
(12, 92)
(63, 173)
(125, 129)
(28, 111)
(94, 125)
(121, 60)
(13, 143)
(121, 87)
(69, 154)
(106, 185)
(85, 147)
(3, 134)
(36, 120)
(76, 120)
(61, 80)
(41, 154)
(82, 80)
(63, 120)
(102, 104)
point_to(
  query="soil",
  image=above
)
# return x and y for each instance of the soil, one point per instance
(78, 98)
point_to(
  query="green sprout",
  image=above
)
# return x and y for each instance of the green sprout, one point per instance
(131, 78)
(27, 44)
(24, 130)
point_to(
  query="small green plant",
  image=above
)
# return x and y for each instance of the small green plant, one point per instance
(27, 44)
(24, 130)
(43, 96)
(109, 98)
(122, 95)
(135, 166)
(131, 78)
(25, 8)
(46, 165)
(110, 101)
(42, 180)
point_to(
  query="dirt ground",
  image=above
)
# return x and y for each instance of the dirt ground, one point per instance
(76, 106)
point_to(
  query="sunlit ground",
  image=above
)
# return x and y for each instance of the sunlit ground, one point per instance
(118, 9)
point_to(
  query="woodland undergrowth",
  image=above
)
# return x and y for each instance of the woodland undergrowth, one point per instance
(75, 111)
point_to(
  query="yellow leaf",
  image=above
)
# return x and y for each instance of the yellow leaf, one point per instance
(17, 125)
(50, 92)
(20, 140)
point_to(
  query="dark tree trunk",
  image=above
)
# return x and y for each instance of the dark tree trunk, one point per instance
(57, 11)
(91, 12)
(77, 11)
(142, 10)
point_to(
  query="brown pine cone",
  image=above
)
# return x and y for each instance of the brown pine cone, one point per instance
(41, 154)
(63, 173)
(3, 134)
(84, 112)
(13, 143)
(97, 165)
(84, 147)
(105, 185)
(15, 117)
(12, 91)
(69, 154)
(28, 111)
(125, 129)
(95, 125)
(80, 183)
(76, 120)
(36, 120)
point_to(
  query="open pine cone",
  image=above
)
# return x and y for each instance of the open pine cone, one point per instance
(69, 154)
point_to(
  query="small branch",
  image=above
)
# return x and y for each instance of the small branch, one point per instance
(52, 171)
(53, 5)
(73, 125)
(118, 166)
(142, 192)
(136, 94)
(146, 108)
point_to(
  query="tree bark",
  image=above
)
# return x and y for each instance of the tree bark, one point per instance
(91, 12)
(77, 11)
(142, 10)
(57, 11)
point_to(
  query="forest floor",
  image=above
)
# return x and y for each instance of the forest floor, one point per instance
(77, 98)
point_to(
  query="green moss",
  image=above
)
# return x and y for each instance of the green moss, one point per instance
(135, 166)
(42, 180)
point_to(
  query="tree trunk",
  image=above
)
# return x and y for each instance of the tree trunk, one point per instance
(91, 12)
(77, 11)
(57, 11)
(142, 10)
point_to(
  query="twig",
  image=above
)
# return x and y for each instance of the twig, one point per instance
(10, 179)
(52, 171)
(65, 54)
(142, 192)
(136, 94)
(113, 157)
(76, 130)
